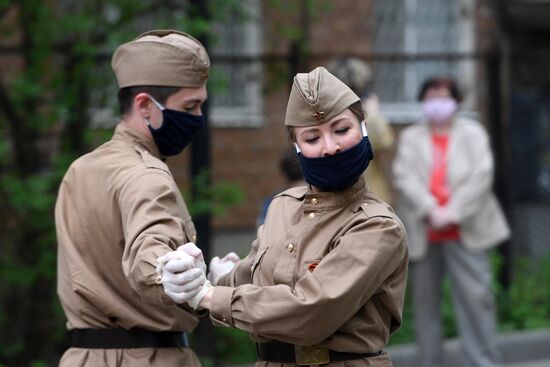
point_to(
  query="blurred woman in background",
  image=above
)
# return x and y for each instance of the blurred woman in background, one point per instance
(443, 170)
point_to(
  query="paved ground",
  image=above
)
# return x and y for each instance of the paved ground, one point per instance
(538, 363)
(517, 349)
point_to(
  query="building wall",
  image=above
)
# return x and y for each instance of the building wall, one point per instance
(249, 156)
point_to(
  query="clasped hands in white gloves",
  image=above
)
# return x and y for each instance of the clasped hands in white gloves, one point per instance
(183, 274)
(441, 218)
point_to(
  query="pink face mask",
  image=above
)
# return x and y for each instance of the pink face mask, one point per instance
(439, 110)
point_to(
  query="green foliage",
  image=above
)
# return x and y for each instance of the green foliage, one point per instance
(525, 304)
(62, 50)
(234, 346)
(207, 361)
(307, 10)
(212, 198)
(218, 82)
(27, 265)
(406, 332)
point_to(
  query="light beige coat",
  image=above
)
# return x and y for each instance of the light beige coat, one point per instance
(470, 178)
(117, 210)
(351, 302)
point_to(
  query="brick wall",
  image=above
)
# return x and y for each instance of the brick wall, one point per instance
(249, 156)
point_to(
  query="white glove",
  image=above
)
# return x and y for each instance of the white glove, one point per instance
(195, 301)
(191, 249)
(220, 267)
(188, 249)
(181, 276)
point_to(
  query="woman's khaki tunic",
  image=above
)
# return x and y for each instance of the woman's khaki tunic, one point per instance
(327, 269)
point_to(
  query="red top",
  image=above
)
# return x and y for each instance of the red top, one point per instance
(440, 188)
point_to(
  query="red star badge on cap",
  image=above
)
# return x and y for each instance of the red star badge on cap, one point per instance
(318, 115)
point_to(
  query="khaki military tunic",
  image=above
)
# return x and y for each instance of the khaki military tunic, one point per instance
(117, 210)
(327, 269)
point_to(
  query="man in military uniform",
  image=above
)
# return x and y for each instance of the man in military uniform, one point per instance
(119, 209)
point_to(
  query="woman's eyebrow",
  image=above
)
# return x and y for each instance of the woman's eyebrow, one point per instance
(312, 130)
(338, 121)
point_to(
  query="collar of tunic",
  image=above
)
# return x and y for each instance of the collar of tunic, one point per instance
(327, 200)
(128, 135)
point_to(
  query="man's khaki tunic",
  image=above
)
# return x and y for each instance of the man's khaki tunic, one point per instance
(327, 269)
(118, 209)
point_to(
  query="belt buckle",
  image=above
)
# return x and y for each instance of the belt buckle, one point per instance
(311, 355)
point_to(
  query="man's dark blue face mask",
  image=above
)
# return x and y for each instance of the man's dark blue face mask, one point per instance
(176, 131)
(340, 171)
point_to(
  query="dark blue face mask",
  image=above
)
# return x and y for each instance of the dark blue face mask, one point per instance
(176, 131)
(340, 171)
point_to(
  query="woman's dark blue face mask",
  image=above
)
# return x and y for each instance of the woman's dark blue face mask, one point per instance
(340, 171)
(176, 131)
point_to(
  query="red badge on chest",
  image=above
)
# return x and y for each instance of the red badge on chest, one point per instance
(312, 266)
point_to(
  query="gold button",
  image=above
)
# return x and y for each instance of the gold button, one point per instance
(314, 201)
(194, 238)
(159, 279)
(224, 319)
(290, 247)
(311, 215)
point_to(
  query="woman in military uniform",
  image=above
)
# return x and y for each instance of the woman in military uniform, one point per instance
(325, 279)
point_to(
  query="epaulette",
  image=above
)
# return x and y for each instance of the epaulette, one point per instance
(151, 161)
(295, 192)
(376, 210)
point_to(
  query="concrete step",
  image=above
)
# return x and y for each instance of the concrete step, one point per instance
(537, 363)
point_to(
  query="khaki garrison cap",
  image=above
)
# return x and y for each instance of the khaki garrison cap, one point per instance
(164, 58)
(318, 96)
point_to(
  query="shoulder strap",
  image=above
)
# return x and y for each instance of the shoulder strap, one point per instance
(376, 210)
(295, 192)
(152, 162)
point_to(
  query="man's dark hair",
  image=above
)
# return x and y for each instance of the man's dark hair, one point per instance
(290, 166)
(126, 95)
(440, 82)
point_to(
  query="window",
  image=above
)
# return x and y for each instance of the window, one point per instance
(414, 39)
(235, 81)
(236, 74)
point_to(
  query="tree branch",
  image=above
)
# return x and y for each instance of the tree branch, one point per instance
(7, 107)
(16, 126)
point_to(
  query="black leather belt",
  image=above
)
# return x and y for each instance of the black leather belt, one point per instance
(127, 339)
(276, 351)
